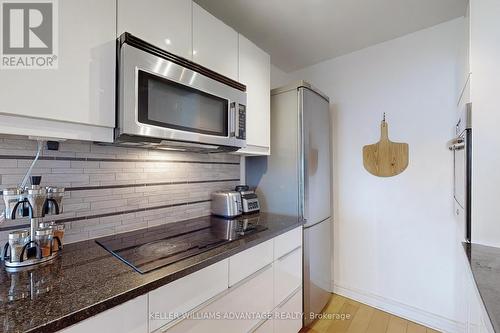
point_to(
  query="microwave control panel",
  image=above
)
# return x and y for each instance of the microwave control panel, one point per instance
(242, 119)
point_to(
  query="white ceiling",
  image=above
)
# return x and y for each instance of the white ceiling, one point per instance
(300, 33)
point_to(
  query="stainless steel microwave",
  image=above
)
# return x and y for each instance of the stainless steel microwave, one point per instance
(168, 102)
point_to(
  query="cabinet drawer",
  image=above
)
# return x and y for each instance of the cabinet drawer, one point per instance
(287, 275)
(266, 327)
(187, 293)
(129, 317)
(252, 296)
(250, 261)
(288, 319)
(287, 242)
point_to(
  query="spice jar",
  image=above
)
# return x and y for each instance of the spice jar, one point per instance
(56, 194)
(11, 196)
(17, 240)
(58, 231)
(43, 237)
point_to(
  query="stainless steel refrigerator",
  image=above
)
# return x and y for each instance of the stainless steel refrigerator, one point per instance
(296, 180)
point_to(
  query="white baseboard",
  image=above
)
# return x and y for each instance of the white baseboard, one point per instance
(405, 311)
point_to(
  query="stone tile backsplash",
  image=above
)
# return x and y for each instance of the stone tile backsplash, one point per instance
(111, 190)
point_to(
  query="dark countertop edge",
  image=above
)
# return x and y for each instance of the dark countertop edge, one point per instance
(97, 308)
(467, 249)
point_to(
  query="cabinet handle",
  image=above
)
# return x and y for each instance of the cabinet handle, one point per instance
(289, 253)
(289, 297)
(201, 306)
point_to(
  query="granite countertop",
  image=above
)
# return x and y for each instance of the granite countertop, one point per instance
(86, 279)
(485, 265)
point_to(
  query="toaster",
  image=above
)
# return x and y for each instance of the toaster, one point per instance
(249, 200)
(226, 203)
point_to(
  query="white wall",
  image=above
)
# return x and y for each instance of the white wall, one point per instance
(278, 77)
(395, 239)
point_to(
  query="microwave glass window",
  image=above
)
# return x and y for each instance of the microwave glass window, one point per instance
(169, 104)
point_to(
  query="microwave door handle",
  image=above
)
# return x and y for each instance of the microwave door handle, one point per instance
(232, 119)
(236, 122)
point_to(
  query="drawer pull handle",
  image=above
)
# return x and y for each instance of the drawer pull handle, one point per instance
(289, 253)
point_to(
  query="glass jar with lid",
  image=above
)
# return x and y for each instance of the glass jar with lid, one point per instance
(43, 237)
(17, 240)
(58, 231)
(55, 202)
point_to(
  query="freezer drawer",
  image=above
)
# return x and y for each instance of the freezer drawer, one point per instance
(317, 268)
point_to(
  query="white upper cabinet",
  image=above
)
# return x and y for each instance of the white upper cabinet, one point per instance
(254, 72)
(215, 45)
(80, 92)
(163, 23)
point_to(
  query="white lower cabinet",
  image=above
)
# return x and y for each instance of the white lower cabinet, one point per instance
(477, 317)
(265, 327)
(233, 295)
(287, 242)
(289, 314)
(234, 312)
(129, 317)
(183, 295)
(250, 261)
(287, 275)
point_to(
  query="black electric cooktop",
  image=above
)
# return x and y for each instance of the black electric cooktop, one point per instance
(152, 248)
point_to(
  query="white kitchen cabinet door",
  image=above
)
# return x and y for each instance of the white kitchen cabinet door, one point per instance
(215, 45)
(246, 263)
(255, 72)
(251, 296)
(129, 317)
(287, 275)
(266, 327)
(81, 91)
(287, 242)
(288, 319)
(163, 23)
(185, 294)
